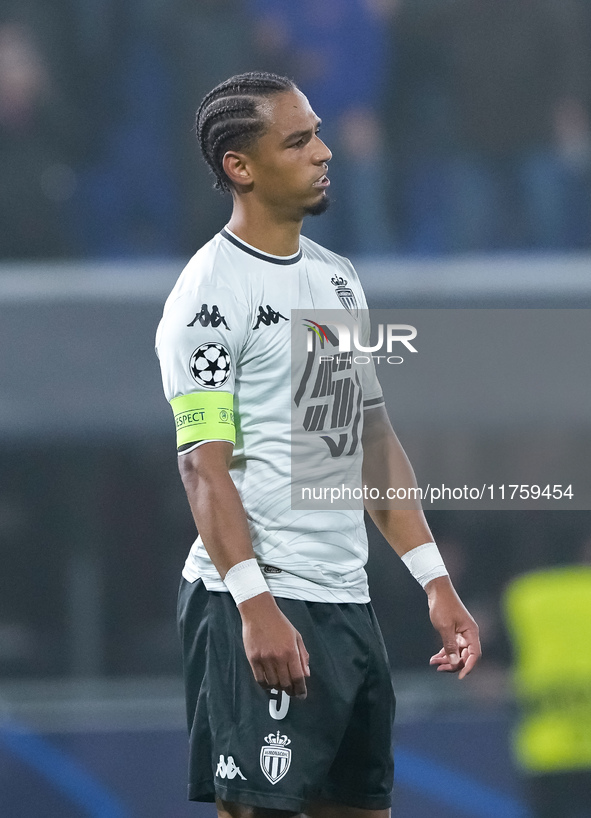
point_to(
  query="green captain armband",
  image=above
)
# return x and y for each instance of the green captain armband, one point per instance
(203, 416)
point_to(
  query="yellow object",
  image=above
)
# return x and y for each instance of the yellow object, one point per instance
(204, 416)
(549, 617)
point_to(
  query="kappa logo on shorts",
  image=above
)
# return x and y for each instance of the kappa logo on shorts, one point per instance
(228, 769)
(275, 758)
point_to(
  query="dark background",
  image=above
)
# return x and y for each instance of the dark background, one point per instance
(461, 177)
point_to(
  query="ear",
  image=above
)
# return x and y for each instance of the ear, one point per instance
(237, 169)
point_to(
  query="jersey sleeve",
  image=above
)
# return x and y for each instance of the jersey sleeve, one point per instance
(372, 391)
(198, 343)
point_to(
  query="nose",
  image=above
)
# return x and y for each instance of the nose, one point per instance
(323, 153)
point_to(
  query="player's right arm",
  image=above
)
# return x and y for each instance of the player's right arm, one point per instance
(274, 648)
(199, 343)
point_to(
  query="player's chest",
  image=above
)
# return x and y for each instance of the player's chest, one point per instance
(282, 309)
(312, 287)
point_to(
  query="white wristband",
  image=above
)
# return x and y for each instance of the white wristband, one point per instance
(245, 580)
(425, 563)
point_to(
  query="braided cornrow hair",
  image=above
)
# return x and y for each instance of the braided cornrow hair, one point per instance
(229, 117)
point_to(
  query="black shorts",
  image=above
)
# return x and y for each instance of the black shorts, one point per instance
(261, 748)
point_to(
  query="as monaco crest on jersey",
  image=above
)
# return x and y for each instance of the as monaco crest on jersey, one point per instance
(345, 294)
(275, 758)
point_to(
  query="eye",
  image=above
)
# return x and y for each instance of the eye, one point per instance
(305, 139)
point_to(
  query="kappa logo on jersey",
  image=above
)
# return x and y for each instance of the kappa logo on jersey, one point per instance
(207, 318)
(269, 317)
(228, 769)
(345, 294)
(210, 365)
(275, 758)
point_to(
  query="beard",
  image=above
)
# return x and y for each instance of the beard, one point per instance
(318, 208)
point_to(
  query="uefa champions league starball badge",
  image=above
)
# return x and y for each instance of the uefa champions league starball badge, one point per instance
(210, 365)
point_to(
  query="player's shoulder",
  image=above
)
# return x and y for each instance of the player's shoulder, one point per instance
(317, 252)
(341, 265)
(210, 272)
(207, 268)
(208, 292)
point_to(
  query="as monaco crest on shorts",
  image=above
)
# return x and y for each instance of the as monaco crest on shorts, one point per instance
(275, 758)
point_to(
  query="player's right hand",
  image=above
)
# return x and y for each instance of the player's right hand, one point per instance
(274, 648)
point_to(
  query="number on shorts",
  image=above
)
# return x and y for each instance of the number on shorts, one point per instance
(278, 704)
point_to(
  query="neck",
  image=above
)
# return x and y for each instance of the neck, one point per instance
(265, 230)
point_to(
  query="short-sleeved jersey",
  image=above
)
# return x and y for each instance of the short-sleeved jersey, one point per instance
(225, 350)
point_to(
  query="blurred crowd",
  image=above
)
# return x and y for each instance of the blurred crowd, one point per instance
(455, 125)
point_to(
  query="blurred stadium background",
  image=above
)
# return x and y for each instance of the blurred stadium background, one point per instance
(461, 178)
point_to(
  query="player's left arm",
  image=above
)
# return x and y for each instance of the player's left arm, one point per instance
(403, 524)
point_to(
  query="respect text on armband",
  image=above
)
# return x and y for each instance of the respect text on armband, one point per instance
(197, 417)
(189, 418)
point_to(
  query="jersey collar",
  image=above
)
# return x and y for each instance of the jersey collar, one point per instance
(242, 245)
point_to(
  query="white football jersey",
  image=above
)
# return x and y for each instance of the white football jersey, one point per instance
(225, 350)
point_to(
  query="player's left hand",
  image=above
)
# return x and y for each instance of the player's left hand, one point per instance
(458, 630)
